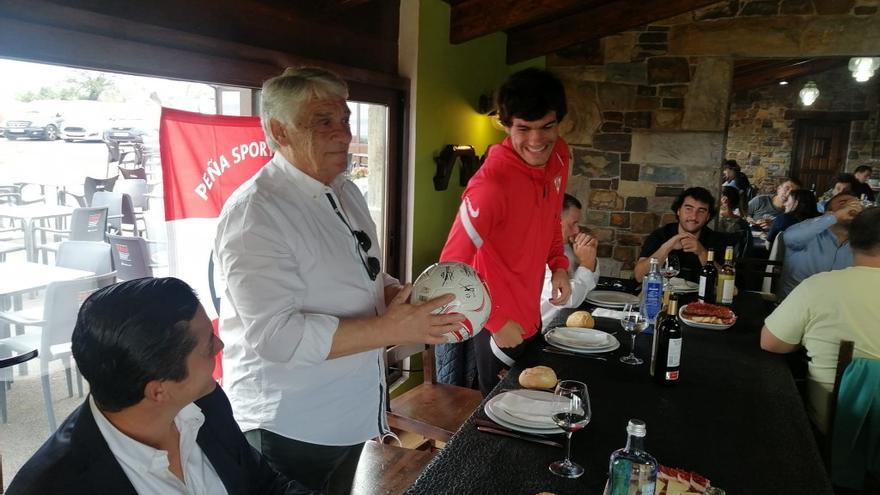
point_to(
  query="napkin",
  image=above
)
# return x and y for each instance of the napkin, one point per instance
(577, 338)
(538, 411)
(608, 313)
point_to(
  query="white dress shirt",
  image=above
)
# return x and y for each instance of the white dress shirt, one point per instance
(147, 468)
(583, 280)
(292, 268)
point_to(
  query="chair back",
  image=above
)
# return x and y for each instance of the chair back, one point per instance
(85, 255)
(93, 185)
(777, 255)
(120, 210)
(398, 353)
(88, 224)
(131, 257)
(136, 189)
(61, 308)
(133, 173)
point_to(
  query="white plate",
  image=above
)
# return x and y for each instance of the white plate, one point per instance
(581, 338)
(501, 417)
(696, 324)
(682, 286)
(592, 350)
(611, 299)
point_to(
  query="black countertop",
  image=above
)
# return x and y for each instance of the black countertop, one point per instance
(735, 418)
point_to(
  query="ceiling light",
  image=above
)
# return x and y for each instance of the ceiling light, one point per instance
(783, 83)
(809, 93)
(863, 68)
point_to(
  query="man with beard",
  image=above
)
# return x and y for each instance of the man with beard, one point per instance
(819, 244)
(689, 239)
(580, 249)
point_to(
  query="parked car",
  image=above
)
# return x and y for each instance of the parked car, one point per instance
(32, 123)
(130, 131)
(84, 129)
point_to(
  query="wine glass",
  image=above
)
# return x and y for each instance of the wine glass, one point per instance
(670, 269)
(571, 412)
(633, 322)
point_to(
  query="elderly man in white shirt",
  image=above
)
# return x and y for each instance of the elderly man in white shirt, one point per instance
(307, 311)
(148, 350)
(580, 248)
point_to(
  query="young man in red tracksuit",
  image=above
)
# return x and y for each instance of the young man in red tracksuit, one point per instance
(507, 227)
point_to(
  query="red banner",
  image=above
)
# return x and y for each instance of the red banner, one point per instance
(204, 159)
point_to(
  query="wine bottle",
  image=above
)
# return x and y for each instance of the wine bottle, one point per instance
(708, 279)
(631, 469)
(726, 279)
(667, 362)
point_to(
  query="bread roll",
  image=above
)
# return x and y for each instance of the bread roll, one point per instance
(538, 377)
(581, 319)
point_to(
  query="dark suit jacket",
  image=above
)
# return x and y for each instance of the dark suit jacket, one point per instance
(76, 459)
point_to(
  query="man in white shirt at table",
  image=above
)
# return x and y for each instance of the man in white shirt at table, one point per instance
(829, 307)
(307, 311)
(580, 248)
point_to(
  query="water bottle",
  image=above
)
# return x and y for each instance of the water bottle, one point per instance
(632, 471)
(652, 295)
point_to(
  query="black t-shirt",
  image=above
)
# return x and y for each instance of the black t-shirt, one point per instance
(689, 262)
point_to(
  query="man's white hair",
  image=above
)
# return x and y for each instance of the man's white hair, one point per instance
(283, 96)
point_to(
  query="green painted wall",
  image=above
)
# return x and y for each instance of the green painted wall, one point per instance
(449, 83)
(450, 80)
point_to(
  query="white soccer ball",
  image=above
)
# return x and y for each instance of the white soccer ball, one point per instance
(471, 295)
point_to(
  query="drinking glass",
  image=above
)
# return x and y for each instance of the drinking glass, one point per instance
(571, 412)
(633, 322)
(670, 269)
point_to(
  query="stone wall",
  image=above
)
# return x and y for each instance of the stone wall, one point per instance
(761, 131)
(648, 108)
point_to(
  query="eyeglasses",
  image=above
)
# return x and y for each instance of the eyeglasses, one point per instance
(371, 264)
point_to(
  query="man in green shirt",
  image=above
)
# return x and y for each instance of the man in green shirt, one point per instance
(829, 307)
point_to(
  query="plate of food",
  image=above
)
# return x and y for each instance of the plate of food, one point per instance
(708, 316)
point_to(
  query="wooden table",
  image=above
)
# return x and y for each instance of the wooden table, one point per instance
(736, 417)
(28, 215)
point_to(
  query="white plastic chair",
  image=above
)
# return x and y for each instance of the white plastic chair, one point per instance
(86, 224)
(131, 257)
(85, 255)
(54, 330)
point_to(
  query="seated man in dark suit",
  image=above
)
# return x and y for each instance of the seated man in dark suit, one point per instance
(155, 421)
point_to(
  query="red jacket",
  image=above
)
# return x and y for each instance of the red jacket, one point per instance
(508, 229)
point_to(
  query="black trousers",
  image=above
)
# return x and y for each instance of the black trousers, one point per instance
(329, 469)
(491, 359)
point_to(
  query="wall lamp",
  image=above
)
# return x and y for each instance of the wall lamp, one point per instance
(446, 159)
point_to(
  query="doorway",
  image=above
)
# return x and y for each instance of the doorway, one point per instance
(820, 152)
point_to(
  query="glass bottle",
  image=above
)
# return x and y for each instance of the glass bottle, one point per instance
(666, 361)
(726, 279)
(652, 295)
(708, 279)
(631, 470)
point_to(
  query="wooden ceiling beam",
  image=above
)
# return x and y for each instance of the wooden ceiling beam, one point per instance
(783, 70)
(602, 20)
(470, 19)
